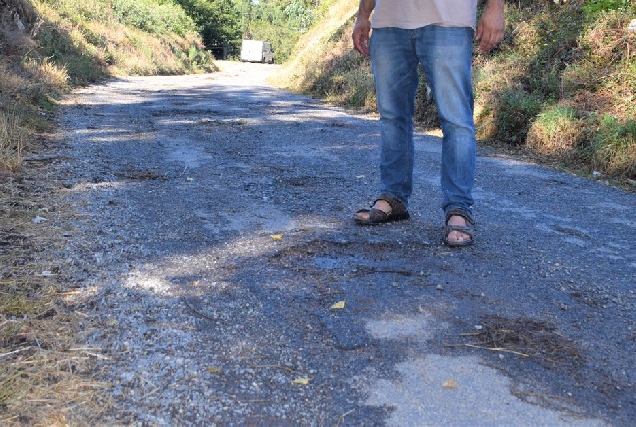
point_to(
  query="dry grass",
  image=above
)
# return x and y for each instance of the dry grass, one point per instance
(45, 370)
(12, 141)
(544, 92)
(526, 338)
(316, 50)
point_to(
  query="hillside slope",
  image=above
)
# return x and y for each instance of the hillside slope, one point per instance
(48, 47)
(561, 88)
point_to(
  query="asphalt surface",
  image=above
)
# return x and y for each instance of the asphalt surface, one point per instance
(227, 283)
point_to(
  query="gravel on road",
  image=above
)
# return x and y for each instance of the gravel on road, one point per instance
(225, 282)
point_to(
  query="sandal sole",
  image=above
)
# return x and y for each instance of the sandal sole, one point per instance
(391, 218)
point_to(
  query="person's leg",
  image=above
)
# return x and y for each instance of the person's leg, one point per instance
(394, 66)
(446, 55)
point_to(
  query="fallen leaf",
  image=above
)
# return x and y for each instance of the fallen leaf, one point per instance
(339, 305)
(214, 370)
(450, 384)
(276, 236)
(301, 381)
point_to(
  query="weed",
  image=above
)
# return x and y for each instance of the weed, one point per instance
(557, 130)
(560, 67)
(510, 115)
(12, 140)
(593, 7)
(614, 147)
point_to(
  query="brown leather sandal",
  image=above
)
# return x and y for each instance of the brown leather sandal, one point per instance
(469, 229)
(377, 216)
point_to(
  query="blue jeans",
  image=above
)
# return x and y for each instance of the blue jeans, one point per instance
(446, 56)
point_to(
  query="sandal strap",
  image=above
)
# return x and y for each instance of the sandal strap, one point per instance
(460, 212)
(464, 229)
(397, 207)
(375, 215)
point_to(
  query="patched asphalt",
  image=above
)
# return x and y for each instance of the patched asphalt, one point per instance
(213, 228)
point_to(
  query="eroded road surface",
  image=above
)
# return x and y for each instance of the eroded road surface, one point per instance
(228, 284)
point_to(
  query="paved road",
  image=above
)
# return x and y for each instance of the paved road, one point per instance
(212, 232)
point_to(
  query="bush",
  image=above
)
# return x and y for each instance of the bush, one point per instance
(153, 17)
(592, 7)
(614, 147)
(557, 130)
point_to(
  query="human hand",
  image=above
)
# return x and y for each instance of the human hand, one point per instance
(360, 36)
(490, 29)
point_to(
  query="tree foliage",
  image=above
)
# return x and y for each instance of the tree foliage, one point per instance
(153, 17)
(227, 22)
(217, 20)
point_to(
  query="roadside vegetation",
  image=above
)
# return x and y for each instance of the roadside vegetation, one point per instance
(48, 47)
(560, 89)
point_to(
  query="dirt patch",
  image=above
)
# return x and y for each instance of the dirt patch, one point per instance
(525, 337)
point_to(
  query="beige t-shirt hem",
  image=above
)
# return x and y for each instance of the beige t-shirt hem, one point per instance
(411, 14)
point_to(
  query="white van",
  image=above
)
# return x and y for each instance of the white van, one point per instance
(257, 51)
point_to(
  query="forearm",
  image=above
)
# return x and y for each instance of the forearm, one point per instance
(365, 8)
(496, 5)
(362, 28)
(490, 28)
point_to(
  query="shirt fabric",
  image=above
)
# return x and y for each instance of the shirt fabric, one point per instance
(411, 14)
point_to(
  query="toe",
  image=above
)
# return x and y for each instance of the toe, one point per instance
(456, 235)
(363, 215)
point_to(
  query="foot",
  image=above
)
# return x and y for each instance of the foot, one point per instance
(385, 209)
(382, 205)
(456, 236)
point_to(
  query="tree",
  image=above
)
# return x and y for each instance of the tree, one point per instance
(280, 22)
(218, 20)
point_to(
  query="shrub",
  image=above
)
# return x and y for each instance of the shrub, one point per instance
(152, 16)
(614, 147)
(557, 130)
(509, 115)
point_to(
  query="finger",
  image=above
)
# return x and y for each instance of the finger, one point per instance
(479, 33)
(360, 43)
(490, 40)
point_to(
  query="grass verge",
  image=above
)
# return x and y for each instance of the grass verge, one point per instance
(560, 89)
(45, 370)
(48, 47)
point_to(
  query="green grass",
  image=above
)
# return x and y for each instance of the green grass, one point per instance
(561, 66)
(614, 146)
